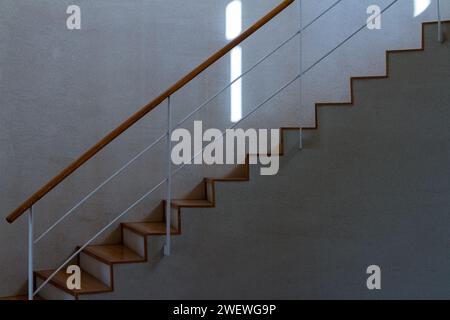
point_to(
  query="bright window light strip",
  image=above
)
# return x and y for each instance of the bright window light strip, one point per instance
(233, 19)
(236, 88)
(420, 6)
(233, 29)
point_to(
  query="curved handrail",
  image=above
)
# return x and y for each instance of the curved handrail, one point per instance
(89, 154)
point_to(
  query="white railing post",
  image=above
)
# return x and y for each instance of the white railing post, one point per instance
(169, 180)
(30, 254)
(300, 53)
(440, 31)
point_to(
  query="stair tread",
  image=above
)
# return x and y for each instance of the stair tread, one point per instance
(114, 253)
(149, 228)
(89, 284)
(227, 179)
(191, 203)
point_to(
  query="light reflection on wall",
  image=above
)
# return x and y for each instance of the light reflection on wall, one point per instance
(420, 6)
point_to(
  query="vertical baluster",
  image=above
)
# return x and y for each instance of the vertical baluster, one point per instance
(300, 54)
(440, 32)
(30, 254)
(169, 179)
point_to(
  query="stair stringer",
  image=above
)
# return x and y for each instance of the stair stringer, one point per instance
(363, 78)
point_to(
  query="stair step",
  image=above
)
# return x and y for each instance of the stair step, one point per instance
(149, 228)
(89, 284)
(237, 179)
(192, 203)
(114, 254)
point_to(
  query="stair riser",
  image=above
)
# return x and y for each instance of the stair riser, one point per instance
(175, 218)
(50, 292)
(134, 241)
(98, 269)
(210, 191)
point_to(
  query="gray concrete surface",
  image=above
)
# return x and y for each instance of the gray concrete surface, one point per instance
(60, 91)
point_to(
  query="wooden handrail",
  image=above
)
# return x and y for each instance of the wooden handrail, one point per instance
(142, 112)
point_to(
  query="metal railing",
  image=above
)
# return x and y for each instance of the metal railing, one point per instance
(14, 215)
(181, 122)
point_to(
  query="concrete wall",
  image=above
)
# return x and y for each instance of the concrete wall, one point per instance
(60, 91)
